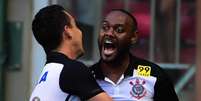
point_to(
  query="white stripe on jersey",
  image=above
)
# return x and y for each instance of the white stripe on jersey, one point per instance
(47, 88)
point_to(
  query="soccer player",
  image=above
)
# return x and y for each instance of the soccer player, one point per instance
(63, 78)
(122, 75)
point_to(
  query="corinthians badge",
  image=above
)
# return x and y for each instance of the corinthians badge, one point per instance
(138, 91)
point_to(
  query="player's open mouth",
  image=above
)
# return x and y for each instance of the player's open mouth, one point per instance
(108, 46)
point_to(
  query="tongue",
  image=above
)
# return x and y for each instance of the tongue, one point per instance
(108, 51)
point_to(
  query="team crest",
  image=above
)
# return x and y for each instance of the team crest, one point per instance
(138, 91)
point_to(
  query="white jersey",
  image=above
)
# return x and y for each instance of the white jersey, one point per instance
(142, 81)
(48, 88)
(62, 79)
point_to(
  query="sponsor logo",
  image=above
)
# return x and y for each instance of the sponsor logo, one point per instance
(144, 70)
(44, 77)
(138, 91)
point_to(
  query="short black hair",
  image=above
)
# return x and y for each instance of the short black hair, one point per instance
(48, 25)
(134, 24)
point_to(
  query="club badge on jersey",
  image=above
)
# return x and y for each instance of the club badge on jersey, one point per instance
(138, 91)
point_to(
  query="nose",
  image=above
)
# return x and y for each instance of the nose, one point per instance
(110, 32)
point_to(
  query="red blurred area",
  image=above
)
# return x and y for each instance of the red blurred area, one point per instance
(141, 10)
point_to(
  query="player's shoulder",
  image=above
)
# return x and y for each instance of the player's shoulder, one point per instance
(74, 65)
(60, 58)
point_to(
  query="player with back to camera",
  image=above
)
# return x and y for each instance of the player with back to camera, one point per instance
(62, 78)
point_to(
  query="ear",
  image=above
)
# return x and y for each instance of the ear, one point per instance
(134, 37)
(67, 32)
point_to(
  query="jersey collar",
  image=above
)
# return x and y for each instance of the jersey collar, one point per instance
(56, 57)
(98, 74)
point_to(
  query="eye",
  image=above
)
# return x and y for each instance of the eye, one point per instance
(119, 28)
(105, 27)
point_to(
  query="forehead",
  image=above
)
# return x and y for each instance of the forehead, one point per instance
(116, 17)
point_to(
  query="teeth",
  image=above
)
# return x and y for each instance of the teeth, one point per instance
(108, 41)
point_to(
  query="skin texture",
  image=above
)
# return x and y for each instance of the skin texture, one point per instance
(72, 44)
(121, 41)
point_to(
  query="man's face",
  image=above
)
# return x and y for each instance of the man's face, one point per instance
(76, 34)
(115, 36)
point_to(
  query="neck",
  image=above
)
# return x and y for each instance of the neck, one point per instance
(114, 70)
(69, 54)
(68, 51)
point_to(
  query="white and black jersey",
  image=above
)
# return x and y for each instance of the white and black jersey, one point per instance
(63, 79)
(142, 81)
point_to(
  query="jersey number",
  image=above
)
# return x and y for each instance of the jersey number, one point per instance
(43, 78)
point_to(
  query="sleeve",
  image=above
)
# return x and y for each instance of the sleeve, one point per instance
(164, 89)
(77, 80)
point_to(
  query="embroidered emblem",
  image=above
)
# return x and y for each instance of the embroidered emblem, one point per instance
(138, 91)
(144, 70)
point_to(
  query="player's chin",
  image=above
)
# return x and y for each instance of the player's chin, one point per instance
(80, 53)
(108, 58)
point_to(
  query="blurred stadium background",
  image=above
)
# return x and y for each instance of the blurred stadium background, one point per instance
(170, 34)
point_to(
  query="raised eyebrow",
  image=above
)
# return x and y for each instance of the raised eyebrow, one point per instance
(120, 24)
